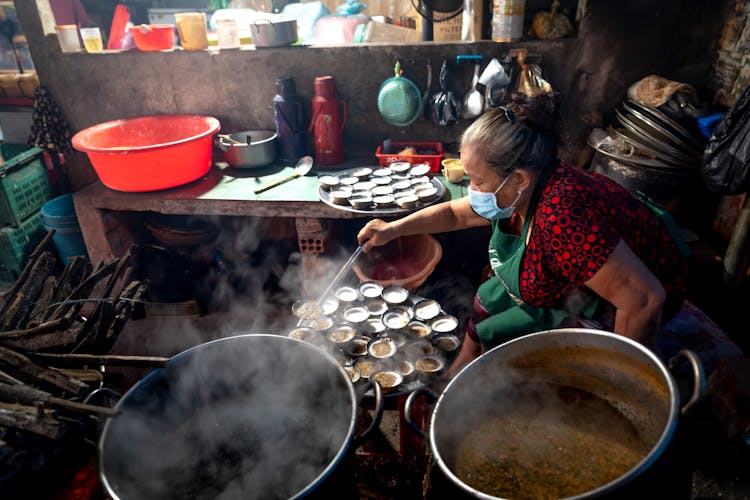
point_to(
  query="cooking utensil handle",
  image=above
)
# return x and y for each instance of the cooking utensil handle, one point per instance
(345, 269)
(407, 410)
(378, 411)
(276, 183)
(699, 376)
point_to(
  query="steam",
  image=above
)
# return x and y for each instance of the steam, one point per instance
(252, 289)
(242, 417)
(246, 417)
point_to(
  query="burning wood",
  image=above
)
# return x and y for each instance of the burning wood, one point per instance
(48, 315)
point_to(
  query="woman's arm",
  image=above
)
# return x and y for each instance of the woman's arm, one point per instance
(443, 217)
(626, 282)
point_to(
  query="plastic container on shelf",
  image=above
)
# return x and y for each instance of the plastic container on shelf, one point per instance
(433, 160)
(149, 153)
(153, 37)
(507, 20)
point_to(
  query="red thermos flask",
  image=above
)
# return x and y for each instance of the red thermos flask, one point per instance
(327, 124)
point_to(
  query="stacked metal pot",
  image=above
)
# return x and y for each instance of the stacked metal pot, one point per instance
(645, 150)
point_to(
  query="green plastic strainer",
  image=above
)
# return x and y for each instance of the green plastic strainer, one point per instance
(399, 100)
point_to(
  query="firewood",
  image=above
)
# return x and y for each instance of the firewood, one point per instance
(133, 293)
(76, 270)
(31, 419)
(27, 395)
(90, 376)
(102, 317)
(23, 365)
(38, 311)
(39, 341)
(16, 314)
(9, 379)
(46, 243)
(49, 326)
(103, 359)
(83, 290)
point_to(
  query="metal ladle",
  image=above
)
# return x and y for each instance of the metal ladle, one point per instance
(306, 309)
(304, 165)
(230, 140)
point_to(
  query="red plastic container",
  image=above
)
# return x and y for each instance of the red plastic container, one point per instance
(151, 152)
(406, 261)
(152, 37)
(432, 160)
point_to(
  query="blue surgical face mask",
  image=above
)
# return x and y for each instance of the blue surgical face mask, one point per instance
(485, 204)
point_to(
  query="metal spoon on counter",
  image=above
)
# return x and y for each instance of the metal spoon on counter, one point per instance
(303, 167)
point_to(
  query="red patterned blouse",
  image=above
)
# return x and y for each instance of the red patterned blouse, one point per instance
(580, 218)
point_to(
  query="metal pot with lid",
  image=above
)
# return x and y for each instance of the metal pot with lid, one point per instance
(250, 416)
(568, 413)
(249, 148)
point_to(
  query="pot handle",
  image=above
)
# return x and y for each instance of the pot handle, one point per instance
(378, 411)
(407, 410)
(699, 376)
(255, 22)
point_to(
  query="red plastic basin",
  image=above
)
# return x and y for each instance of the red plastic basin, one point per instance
(151, 152)
(152, 37)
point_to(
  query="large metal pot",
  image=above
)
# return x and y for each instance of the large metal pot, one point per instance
(549, 414)
(249, 148)
(273, 31)
(251, 416)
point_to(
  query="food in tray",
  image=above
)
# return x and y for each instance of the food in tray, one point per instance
(380, 188)
(381, 333)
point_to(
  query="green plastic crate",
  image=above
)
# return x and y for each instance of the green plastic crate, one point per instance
(24, 187)
(16, 243)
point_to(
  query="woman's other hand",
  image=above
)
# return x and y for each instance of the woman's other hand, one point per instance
(375, 233)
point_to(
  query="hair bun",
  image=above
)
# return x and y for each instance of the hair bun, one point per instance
(537, 112)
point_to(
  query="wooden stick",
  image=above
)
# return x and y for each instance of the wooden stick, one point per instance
(27, 395)
(41, 341)
(31, 260)
(29, 418)
(36, 316)
(48, 375)
(84, 289)
(49, 326)
(77, 269)
(104, 359)
(16, 314)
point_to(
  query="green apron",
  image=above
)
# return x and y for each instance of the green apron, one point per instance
(510, 316)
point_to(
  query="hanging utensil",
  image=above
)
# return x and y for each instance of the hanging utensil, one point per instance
(473, 102)
(303, 167)
(399, 99)
(428, 88)
(446, 108)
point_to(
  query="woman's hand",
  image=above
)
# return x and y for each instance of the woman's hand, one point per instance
(375, 233)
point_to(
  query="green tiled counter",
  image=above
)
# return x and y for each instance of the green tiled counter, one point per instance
(223, 191)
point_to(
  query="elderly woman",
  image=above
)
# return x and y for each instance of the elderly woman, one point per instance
(567, 246)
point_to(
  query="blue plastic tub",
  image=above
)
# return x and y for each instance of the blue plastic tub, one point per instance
(59, 214)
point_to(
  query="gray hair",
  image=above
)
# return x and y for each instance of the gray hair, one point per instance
(506, 143)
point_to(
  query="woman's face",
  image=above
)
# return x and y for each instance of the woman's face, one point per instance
(485, 179)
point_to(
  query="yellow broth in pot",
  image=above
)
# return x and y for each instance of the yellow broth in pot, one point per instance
(552, 442)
